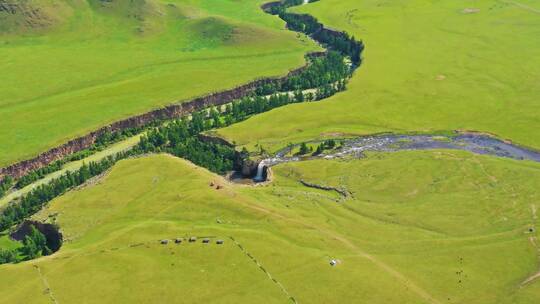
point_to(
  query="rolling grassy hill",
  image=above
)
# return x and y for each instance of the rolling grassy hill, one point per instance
(447, 227)
(417, 227)
(428, 66)
(71, 66)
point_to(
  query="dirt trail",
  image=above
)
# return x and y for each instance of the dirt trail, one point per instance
(358, 251)
(251, 257)
(531, 279)
(245, 202)
(533, 241)
(393, 272)
(523, 6)
(46, 284)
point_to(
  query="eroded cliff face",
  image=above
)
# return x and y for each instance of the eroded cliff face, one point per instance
(20, 7)
(19, 169)
(268, 6)
(214, 139)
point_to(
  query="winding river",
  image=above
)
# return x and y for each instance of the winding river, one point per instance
(475, 143)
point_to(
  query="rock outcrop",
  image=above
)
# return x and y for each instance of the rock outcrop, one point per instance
(23, 13)
(214, 140)
(249, 168)
(342, 192)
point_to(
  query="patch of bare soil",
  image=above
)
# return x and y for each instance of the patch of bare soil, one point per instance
(440, 77)
(332, 134)
(471, 10)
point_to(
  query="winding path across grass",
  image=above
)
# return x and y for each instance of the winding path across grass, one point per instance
(523, 6)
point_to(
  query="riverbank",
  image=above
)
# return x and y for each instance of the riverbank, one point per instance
(356, 147)
(428, 67)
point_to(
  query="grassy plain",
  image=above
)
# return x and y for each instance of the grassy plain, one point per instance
(419, 227)
(71, 66)
(7, 243)
(429, 66)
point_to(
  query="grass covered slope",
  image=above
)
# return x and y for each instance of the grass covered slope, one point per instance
(428, 65)
(71, 66)
(412, 217)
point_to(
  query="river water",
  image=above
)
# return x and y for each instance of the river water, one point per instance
(475, 143)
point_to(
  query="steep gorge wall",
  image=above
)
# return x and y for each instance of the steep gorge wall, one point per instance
(177, 110)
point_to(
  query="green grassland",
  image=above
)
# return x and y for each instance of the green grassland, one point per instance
(71, 66)
(419, 227)
(7, 243)
(429, 66)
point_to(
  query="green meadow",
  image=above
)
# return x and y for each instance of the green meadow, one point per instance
(412, 231)
(428, 66)
(438, 226)
(72, 66)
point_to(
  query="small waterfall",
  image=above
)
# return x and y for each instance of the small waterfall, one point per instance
(260, 171)
(475, 143)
